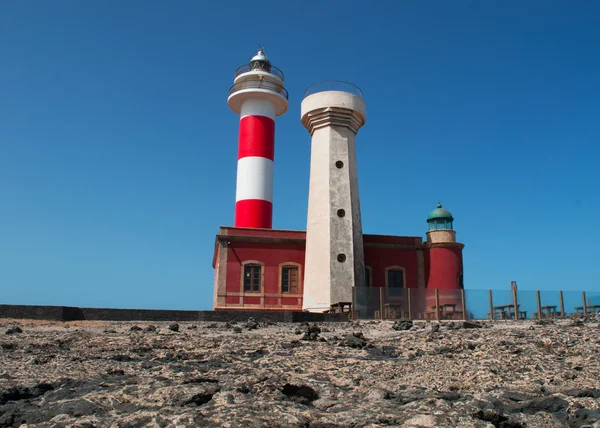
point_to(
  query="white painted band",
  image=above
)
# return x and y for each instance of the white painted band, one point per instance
(254, 179)
(258, 107)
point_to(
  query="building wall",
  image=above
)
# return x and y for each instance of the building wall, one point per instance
(385, 251)
(378, 259)
(445, 265)
(271, 248)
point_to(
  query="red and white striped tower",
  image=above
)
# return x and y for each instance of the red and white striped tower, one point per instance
(258, 96)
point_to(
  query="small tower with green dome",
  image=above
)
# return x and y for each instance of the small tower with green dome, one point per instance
(440, 218)
(443, 252)
(441, 226)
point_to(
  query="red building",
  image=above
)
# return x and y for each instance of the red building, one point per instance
(264, 268)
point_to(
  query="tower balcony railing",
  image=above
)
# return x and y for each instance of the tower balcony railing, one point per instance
(253, 84)
(246, 68)
(333, 85)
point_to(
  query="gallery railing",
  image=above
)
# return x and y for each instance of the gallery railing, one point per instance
(439, 304)
(333, 85)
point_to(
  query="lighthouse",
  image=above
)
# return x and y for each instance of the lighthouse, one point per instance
(333, 112)
(258, 96)
(445, 254)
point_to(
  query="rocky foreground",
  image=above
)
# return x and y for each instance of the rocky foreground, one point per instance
(353, 374)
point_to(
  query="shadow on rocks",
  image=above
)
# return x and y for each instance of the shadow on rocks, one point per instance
(300, 393)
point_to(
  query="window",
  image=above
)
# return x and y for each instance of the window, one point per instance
(367, 276)
(461, 285)
(289, 279)
(395, 278)
(252, 278)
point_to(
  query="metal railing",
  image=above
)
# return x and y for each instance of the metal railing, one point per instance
(274, 87)
(471, 304)
(333, 85)
(246, 69)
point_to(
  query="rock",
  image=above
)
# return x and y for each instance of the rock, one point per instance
(583, 393)
(251, 324)
(13, 330)
(135, 328)
(449, 396)
(23, 393)
(471, 324)
(464, 378)
(549, 404)
(174, 327)
(290, 345)
(402, 325)
(151, 328)
(311, 333)
(354, 340)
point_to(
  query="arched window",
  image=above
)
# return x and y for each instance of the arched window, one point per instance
(253, 276)
(395, 277)
(368, 276)
(290, 278)
(461, 284)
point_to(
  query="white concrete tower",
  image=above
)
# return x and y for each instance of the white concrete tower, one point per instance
(258, 96)
(333, 112)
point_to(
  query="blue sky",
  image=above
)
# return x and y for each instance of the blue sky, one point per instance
(118, 151)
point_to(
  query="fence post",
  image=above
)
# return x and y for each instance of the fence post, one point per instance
(562, 304)
(437, 304)
(539, 304)
(516, 303)
(464, 306)
(491, 305)
(584, 303)
(381, 314)
(409, 296)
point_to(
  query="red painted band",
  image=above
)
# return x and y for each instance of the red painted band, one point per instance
(257, 137)
(254, 213)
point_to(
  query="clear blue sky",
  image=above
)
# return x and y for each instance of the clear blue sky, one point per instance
(118, 151)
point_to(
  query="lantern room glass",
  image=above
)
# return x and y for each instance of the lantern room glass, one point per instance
(440, 224)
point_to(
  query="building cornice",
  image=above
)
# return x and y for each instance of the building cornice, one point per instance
(387, 245)
(445, 245)
(269, 240)
(334, 117)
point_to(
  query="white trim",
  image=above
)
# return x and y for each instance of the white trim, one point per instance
(257, 107)
(254, 179)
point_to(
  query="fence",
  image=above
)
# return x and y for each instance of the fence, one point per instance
(435, 304)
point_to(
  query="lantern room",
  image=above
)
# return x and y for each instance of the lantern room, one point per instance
(440, 219)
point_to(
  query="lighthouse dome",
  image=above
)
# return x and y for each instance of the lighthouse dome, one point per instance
(260, 61)
(440, 218)
(440, 213)
(260, 56)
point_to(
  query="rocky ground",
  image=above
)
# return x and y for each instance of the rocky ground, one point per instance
(353, 374)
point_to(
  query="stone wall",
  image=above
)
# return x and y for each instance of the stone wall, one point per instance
(67, 313)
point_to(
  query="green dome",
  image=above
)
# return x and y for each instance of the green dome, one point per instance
(440, 214)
